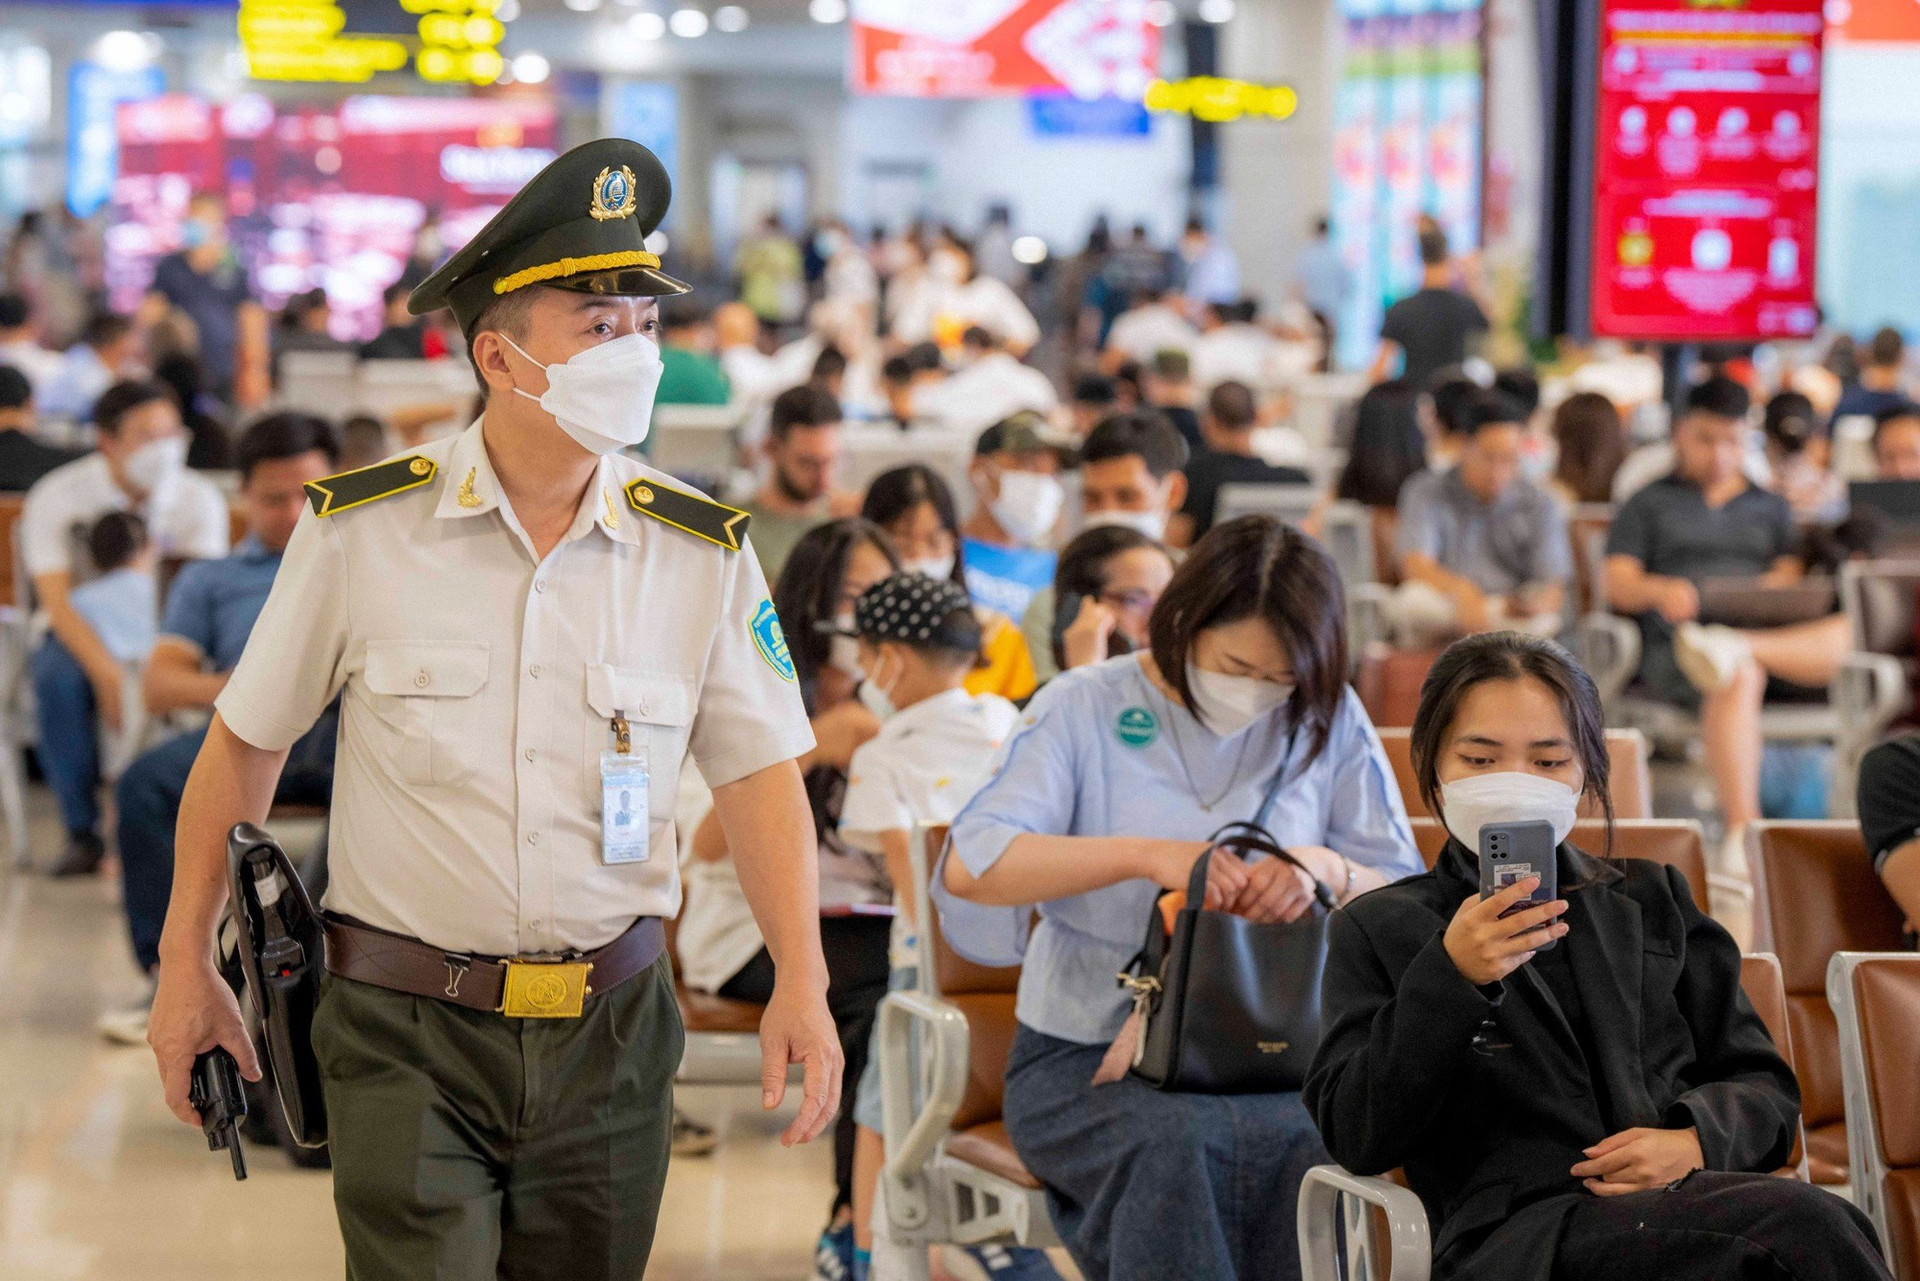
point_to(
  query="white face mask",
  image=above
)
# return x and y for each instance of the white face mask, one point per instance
(875, 699)
(1028, 505)
(603, 396)
(1468, 804)
(843, 651)
(948, 268)
(155, 463)
(1228, 704)
(1151, 523)
(938, 568)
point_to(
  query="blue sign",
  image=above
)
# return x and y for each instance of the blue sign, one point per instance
(648, 113)
(1061, 115)
(771, 641)
(93, 139)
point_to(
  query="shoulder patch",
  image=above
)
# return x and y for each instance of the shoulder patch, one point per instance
(718, 523)
(335, 494)
(771, 641)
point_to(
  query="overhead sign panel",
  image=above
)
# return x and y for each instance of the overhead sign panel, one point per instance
(982, 48)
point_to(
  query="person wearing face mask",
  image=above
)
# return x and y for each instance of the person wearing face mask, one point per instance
(1007, 542)
(1130, 478)
(1237, 710)
(206, 281)
(1609, 1108)
(915, 641)
(1226, 428)
(139, 466)
(530, 633)
(954, 297)
(915, 507)
(988, 384)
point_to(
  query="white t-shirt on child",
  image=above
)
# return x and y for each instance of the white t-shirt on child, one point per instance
(923, 767)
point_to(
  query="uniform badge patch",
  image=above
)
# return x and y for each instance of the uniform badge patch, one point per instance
(771, 641)
(614, 195)
(1137, 727)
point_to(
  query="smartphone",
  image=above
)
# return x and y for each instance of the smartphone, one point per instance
(1512, 852)
(1066, 610)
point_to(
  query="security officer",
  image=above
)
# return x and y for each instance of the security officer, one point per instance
(529, 632)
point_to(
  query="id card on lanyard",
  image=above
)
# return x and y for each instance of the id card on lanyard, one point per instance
(623, 798)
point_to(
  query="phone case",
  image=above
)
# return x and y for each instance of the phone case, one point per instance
(1512, 852)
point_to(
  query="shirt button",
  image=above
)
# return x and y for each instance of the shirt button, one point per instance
(534, 671)
(646, 706)
(535, 923)
(539, 584)
(533, 838)
(422, 679)
(529, 753)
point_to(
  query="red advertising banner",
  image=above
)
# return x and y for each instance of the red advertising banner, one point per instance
(979, 48)
(1705, 169)
(1897, 21)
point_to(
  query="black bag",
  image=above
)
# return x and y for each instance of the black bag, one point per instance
(1229, 1006)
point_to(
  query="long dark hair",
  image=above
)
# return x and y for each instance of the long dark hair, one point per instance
(808, 592)
(894, 493)
(1509, 656)
(1592, 444)
(1082, 567)
(1261, 567)
(1387, 445)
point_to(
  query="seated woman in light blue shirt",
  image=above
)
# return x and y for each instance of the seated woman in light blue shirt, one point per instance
(1104, 796)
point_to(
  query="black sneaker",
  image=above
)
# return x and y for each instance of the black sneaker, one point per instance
(84, 852)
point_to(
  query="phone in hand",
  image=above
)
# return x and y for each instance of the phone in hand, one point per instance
(1512, 852)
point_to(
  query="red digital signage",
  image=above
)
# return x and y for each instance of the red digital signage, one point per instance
(976, 48)
(1706, 162)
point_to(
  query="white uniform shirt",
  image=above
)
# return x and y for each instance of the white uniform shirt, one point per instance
(923, 766)
(1145, 332)
(186, 517)
(478, 690)
(991, 388)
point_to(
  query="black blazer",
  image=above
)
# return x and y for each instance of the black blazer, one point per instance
(1487, 1139)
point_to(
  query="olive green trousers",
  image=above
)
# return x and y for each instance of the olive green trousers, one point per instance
(470, 1146)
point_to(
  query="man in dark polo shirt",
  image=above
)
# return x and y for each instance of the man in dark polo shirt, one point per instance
(1433, 326)
(1890, 820)
(1707, 521)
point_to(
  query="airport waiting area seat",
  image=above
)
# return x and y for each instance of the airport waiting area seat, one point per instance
(723, 1035)
(1814, 896)
(952, 1175)
(1676, 842)
(1352, 1226)
(1876, 998)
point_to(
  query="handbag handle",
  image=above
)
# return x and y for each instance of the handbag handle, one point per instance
(1241, 839)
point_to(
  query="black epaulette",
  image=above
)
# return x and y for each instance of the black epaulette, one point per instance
(335, 494)
(718, 523)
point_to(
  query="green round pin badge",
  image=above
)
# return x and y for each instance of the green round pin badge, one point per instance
(1137, 727)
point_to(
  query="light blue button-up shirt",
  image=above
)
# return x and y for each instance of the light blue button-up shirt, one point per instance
(1101, 752)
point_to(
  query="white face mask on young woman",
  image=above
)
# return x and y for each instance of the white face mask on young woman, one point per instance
(938, 568)
(1028, 504)
(1228, 704)
(1468, 804)
(603, 396)
(843, 651)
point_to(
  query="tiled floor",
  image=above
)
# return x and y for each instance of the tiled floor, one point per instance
(98, 1181)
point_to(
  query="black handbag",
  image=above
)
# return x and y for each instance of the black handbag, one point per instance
(1229, 1006)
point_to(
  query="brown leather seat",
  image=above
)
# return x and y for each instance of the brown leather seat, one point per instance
(1675, 842)
(1760, 980)
(1389, 682)
(1814, 894)
(1630, 783)
(702, 1011)
(283, 812)
(1886, 992)
(985, 994)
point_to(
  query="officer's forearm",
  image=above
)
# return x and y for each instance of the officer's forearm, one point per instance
(232, 782)
(769, 829)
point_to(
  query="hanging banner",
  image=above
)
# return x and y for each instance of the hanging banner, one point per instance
(983, 48)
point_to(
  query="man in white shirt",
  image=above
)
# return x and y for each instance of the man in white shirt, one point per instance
(1153, 325)
(18, 346)
(989, 385)
(140, 466)
(956, 297)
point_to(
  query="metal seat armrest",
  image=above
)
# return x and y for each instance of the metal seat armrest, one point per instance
(1608, 646)
(912, 1137)
(1366, 617)
(1332, 1199)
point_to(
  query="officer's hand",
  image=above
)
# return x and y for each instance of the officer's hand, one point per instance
(797, 1028)
(193, 1011)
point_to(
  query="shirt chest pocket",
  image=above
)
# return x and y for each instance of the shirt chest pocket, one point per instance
(424, 696)
(658, 707)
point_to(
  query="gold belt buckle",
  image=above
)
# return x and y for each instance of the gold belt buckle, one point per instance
(544, 988)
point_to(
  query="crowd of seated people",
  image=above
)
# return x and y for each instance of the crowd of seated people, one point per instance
(1117, 667)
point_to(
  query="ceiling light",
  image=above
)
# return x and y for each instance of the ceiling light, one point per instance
(124, 50)
(827, 10)
(730, 18)
(655, 242)
(530, 68)
(1030, 251)
(507, 10)
(583, 6)
(1215, 11)
(1161, 13)
(688, 23)
(647, 26)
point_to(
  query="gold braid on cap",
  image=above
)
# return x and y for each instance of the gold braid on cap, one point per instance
(575, 267)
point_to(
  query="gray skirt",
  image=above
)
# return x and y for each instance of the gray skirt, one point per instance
(1143, 1183)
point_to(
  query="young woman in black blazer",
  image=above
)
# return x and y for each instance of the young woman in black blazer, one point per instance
(1609, 1107)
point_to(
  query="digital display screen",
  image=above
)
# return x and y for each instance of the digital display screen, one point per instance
(977, 48)
(1706, 163)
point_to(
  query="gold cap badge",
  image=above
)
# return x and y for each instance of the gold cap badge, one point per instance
(613, 194)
